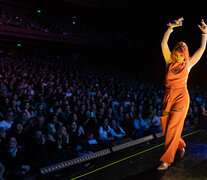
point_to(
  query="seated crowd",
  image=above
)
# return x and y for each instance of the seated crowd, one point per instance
(53, 109)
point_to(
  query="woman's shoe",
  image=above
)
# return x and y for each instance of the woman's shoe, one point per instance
(182, 152)
(164, 166)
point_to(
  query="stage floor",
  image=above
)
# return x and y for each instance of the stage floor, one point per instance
(141, 162)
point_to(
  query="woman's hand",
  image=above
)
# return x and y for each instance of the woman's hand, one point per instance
(177, 23)
(203, 28)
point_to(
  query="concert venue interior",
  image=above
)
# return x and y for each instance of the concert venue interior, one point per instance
(70, 69)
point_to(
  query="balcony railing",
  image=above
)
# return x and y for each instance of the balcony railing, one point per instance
(20, 32)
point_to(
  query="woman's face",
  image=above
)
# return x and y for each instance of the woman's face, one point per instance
(12, 142)
(63, 130)
(179, 56)
(75, 117)
(27, 106)
(19, 128)
(73, 126)
(7, 100)
(14, 103)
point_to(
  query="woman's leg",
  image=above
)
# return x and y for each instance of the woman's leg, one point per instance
(164, 120)
(181, 144)
(173, 135)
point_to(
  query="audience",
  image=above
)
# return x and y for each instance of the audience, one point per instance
(55, 109)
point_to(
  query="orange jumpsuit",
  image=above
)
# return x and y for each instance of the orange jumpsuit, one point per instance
(175, 104)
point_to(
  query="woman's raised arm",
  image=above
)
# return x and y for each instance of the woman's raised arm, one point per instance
(197, 55)
(164, 44)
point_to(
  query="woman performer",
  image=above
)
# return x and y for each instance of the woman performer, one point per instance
(176, 99)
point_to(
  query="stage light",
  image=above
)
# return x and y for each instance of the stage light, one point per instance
(19, 45)
(158, 135)
(132, 143)
(39, 11)
(71, 162)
